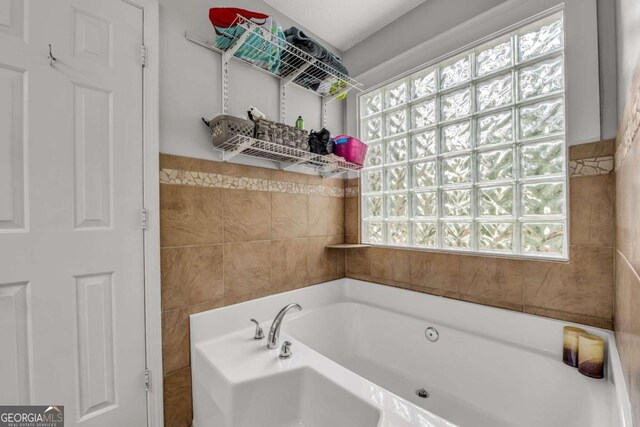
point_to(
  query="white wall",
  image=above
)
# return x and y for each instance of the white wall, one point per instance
(628, 47)
(190, 82)
(608, 68)
(583, 75)
(423, 23)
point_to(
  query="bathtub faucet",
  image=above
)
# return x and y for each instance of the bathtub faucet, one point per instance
(274, 332)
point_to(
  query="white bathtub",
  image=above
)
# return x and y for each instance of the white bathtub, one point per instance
(489, 367)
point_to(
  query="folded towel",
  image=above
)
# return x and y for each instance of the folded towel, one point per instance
(315, 77)
(255, 50)
(308, 45)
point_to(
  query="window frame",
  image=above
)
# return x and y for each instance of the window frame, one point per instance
(471, 50)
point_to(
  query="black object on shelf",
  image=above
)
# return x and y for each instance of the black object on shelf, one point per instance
(321, 142)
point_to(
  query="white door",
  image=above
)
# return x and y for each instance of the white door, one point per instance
(71, 196)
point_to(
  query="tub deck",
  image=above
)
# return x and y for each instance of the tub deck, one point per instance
(489, 368)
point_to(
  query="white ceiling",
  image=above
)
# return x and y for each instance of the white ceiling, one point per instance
(343, 23)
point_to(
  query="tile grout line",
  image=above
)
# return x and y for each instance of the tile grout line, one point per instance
(224, 281)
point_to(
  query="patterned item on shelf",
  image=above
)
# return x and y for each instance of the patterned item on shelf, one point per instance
(267, 130)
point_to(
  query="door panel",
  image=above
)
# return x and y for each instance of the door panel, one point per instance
(15, 336)
(12, 17)
(92, 141)
(92, 37)
(71, 241)
(95, 343)
(12, 148)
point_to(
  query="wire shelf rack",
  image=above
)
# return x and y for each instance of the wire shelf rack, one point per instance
(286, 157)
(254, 45)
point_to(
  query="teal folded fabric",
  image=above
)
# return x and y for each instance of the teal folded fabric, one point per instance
(262, 48)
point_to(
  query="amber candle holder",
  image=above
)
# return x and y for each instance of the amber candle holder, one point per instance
(570, 345)
(591, 355)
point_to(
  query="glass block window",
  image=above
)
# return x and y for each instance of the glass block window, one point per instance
(469, 154)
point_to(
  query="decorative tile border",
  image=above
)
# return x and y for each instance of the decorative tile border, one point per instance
(602, 165)
(216, 180)
(632, 127)
(589, 167)
(351, 192)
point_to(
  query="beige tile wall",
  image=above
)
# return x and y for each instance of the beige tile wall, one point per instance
(231, 233)
(580, 290)
(224, 243)
(627, 254)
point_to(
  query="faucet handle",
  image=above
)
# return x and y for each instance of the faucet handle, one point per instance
(285, 350)
(259, 333)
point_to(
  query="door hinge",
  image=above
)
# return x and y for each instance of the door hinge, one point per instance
(145, 219)
(147, 379)
(143, 55)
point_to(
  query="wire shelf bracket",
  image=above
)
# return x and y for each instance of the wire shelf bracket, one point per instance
(236, 149)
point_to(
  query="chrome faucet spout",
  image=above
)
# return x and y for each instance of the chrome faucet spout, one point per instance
(274, 332)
